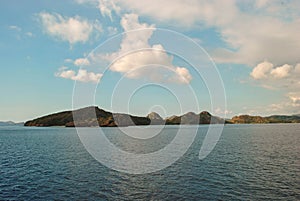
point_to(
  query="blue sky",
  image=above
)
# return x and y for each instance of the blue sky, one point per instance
(45, 47)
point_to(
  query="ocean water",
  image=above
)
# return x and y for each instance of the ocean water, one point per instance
(250, 162)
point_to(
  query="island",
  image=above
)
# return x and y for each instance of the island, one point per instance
(94, 116)
(11, 123)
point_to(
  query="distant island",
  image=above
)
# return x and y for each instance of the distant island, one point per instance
(11, 123)
(94, 116)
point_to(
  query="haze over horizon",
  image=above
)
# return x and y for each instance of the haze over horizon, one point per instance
(44, 48)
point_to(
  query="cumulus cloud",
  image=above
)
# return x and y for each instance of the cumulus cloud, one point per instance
(251, 31)
(81, 76)
(182, 76)
(251, 35)
(282, 71)
(135, 54)
(284, 78)
(266, 70)
(261, 70)
(72, 29)
(82, 62)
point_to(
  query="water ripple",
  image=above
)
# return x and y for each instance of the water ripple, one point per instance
(250, 162)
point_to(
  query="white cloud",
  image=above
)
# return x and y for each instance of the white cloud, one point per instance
(97, 28)
(222, 112)
(255, 39)
(282, 71)
(182, 76)
(81, 76)
(112, 30)
(267, 71)
(291, 105)
(135, 54)
(181, 13)
(252, 31)
(29, 34)
(14, 27)
(297, 69)
(261, 3)
(20, 33)
(284, 78)
(71, 29)
(257, 35)
(92, 2)
(68, 61)
(261, 70)
(68, 74)
(81, 62)
(295, 98)
(106, 7)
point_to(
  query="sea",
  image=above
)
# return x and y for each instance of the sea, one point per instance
(249, 162)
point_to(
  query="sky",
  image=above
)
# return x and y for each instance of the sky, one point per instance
(142, 56)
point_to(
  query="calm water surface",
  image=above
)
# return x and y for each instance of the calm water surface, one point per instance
(250, 162)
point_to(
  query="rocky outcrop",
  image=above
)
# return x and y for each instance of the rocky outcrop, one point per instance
(191, 118)
(156, 119)
(173, 120)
